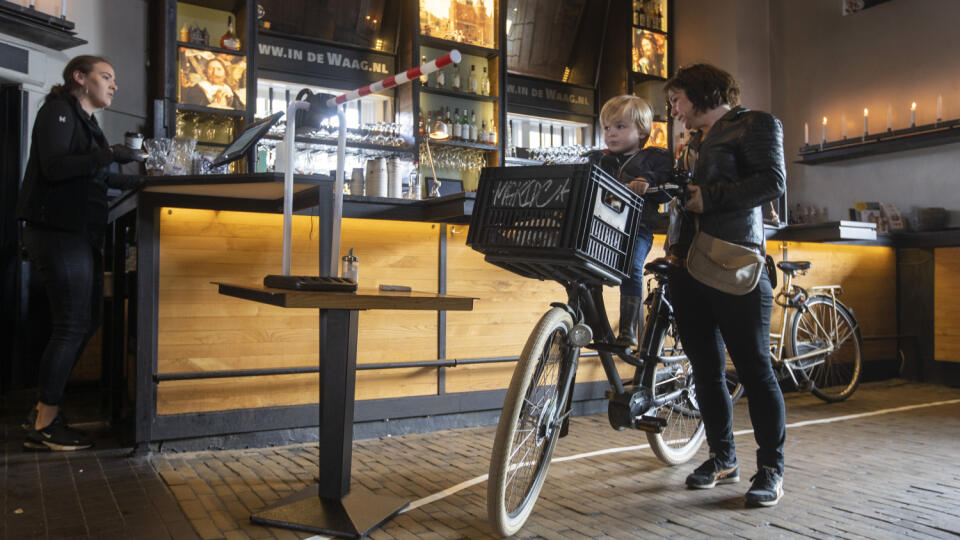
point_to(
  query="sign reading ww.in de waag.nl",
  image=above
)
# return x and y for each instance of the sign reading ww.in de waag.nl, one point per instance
(321, 60)
(549, 95)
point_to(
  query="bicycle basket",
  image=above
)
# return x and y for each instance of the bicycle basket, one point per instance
(558, 222)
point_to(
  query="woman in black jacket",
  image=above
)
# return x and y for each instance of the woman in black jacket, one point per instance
(63, 201)
(736, 157)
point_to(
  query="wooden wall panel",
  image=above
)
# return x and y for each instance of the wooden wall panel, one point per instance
(946, 310)
(201, 330)
(868, 277)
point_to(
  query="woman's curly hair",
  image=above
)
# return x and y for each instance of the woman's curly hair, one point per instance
(706, 86)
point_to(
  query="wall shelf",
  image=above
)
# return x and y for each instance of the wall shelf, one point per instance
(458, 95)
(881, 143)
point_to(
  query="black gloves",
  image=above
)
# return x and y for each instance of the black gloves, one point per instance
(123, 154)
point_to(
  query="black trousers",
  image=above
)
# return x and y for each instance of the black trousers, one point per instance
(708, 318)
(71, 267)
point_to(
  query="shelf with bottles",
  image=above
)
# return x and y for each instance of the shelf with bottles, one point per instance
(459, 125)
(216, 25)
(473, 78)
(650, 14)
(186, 107)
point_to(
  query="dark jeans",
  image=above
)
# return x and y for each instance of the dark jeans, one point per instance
(71, 267)
(633, 285)
(708, 318)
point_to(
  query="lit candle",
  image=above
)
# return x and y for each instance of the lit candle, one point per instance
(913, 114)
(889, 112)
(806, 133)
(866, 129)
(939, 107)
(843, 126)
(823, 133)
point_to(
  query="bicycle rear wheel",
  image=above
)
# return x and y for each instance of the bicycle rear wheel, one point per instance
(836, 374)
(530, 422)
(684, 432)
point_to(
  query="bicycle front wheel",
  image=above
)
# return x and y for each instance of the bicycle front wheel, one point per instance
(684, 432)
(530, 422)
(836, 372)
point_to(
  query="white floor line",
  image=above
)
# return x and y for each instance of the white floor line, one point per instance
(480, 479)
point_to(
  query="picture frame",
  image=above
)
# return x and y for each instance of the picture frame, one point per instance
(209, 79)
(649, 53)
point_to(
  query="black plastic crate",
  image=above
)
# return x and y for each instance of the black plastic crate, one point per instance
(558, 222)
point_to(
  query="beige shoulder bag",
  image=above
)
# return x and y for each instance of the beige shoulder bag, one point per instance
(722, 265)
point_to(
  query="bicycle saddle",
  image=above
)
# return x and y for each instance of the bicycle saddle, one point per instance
(793, 266)
(663, 265)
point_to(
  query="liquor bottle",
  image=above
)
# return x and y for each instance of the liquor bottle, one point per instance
(423, 78)
(474, 128)
(441, 78)
(449, 123)
(492, 134)
(455, 134)
(482, 136)
(659, 19)
(185, 33)
(472, 81)
(455, 84)
(485, 83)
(205, 36)
(641, 16)
(230, 40)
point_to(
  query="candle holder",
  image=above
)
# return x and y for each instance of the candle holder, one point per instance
(922, 136)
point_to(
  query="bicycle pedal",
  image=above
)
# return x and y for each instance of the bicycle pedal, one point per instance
(652, 424)
(806, 386)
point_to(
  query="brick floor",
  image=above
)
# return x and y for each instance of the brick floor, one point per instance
(890, 475)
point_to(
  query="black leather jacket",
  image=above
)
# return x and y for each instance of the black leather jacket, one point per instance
(68, 168)
(739, 167)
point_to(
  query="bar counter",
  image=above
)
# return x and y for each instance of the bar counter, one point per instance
(211, 366)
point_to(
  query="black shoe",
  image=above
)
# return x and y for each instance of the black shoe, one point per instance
(30, 420)
(713, 472)
(767, 488)
(56, 436)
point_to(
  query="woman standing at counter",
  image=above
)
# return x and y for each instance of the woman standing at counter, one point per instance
(63, 201)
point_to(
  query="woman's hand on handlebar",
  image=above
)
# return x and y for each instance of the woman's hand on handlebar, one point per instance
(639, 185)
(694, 199)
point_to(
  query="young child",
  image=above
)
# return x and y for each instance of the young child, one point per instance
(626, 123)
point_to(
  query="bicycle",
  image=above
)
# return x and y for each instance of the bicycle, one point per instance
(658, 399)
(819, 344)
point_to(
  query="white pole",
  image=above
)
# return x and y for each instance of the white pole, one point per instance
(338, 192)
(289, 141)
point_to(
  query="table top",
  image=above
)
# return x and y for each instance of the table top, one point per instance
(362, 299)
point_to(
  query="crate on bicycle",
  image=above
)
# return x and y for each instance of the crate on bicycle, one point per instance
(556, 222)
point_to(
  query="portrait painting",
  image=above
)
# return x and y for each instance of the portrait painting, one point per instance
(212, 80)
(649, 53)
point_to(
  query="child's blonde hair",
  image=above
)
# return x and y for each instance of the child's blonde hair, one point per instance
(630, 109)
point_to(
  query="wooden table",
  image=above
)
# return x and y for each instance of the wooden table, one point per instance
(331, 507)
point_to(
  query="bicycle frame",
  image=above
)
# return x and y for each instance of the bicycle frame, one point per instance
(587, 306)
(792, 305)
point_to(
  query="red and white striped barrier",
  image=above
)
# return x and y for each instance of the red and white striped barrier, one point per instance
(398, 79)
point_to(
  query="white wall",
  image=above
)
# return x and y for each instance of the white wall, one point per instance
(826, 64)
(116, 29)
(803, 60)
(733, 35)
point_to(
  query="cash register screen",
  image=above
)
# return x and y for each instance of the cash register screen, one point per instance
(245, 141)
